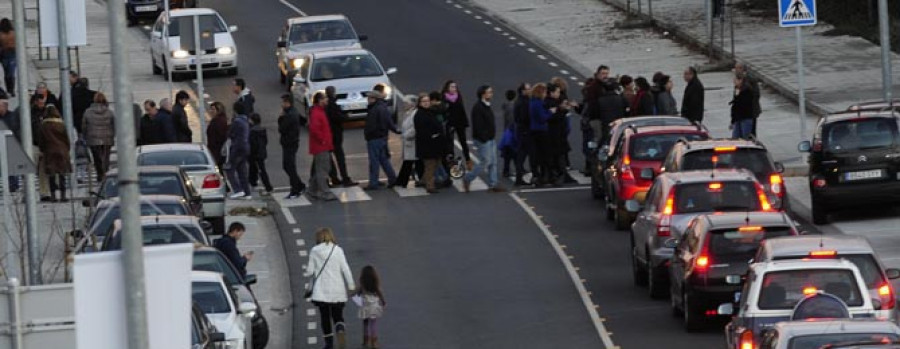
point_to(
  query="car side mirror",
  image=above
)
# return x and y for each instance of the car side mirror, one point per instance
(725, 309)
(363, 37)
(804, 147)
(779, 167)
(390, 71)
(233, 28)
(647, 173)
(247, 308)
(733, 279)
(250, 279)
(217, 337)
(603, 154)
(671, 243)
(281, 44)
(892, 273)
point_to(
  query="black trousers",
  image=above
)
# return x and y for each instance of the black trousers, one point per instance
(542, 155)
(332, 314)
(340, 161)
(258, 172)
(57, 182)
(100, 153)
(406, 170)
(289, 163)
(525, 150)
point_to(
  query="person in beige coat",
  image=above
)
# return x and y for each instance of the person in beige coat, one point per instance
(99, 127)
(55, 145)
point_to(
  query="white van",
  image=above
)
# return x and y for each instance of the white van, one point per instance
(168, 54)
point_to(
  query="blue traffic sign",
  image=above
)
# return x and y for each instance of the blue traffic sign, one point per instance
(796, 13)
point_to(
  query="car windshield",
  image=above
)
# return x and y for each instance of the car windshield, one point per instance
(210, 297)
(302, 33)
(866, 264)
(716, 197)
(209, 22)
(783, 289)
(345, 67)
(215, 262)
(104, 219)
(173, 158)
(740, 244)
(752, 159)
(655, 147)
(841, 340)
(616, 132)
(161, 235)
(149, 183)
(860, 134)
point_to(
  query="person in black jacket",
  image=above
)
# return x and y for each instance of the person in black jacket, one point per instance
(610, 107)
(456, 117)
(289, 131)
(557, 145)
(82, 98)
(227, 244)
(753, 83)
(522, 125)
(430, 140)
(258, 142)
(244, 96)
(644, 102)
(692, 104)
(183, 133)
(741, 108)
(378, 123)
(484, 130)
(148, 127)
(336, 119)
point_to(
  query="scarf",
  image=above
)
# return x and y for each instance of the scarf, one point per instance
(451, 97)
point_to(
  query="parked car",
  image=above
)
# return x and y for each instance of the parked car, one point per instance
(854, 159)
(351, 72)
(714, 246)
(150, 9)
(210, 259)
(200, 166)
(153, 180)
(308, 34)
(634, 163)
(831, 333)
(159, 230)
(855, 249)
(203, 334)
(107, 211)
(751, 155)
(676, 198)
(772, 291)
(220, 304)
(168, 54)
(875, 105)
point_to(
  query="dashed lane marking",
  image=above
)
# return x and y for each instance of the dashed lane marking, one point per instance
(564, 72)
(531, 50)
(478, 17)
(303, 253)
(311, 312)
(311, 325)
(312, 340)
(296, 230)
(487, 22)
(288, 216)
(498, 29)
(542, 57)
(582, 291)
(550, 190)
(553, 64)
(468, 12)
(457, 6)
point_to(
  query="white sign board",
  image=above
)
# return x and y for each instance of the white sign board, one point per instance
(796, 13)
(100, 298)
(76, 23)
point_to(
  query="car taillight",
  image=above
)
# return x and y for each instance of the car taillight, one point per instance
(763, 200)
(627, 174)
(211, 181)
(725, 149)
(776, 184)
(886, 292)
(746, 340)
(702, 262)
(663, 228)
(817, 145)
(819, 183)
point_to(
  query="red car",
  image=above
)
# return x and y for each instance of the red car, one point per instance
(638, 155)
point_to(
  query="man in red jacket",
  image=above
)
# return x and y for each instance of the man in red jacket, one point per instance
(320, 147)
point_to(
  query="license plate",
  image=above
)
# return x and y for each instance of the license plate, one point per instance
(147, 8)
(737, 297)
(202, 60)
(861, 175)
(361, 105)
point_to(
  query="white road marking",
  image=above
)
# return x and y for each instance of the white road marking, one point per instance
(311, 312)
(487, 22)
(410, 192)
(564, 72)
(311, 340)
(550, 190)
(301, 242)
(498, 29)
(296, 230)
(303, 253)
(542, 57)
(531, 50)
(512, 37)
(457, 6)
(351, 194)
(288, 216)
(468, 12)
(477, 17)
(582, 291)
(292, 7)
(521, 44)
(553, 64)
(311, 325)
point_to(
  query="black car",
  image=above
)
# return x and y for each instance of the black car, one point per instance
(108, 211)
(854, 159)
(150, 9)
(154, 180)
(714, 247)
(203, 334)
(751, 155)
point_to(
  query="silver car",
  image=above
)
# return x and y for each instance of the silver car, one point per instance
(351, 72)
(197, 162)
(837, 333)
(309, 34)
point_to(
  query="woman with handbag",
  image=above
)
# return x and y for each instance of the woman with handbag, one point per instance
(328, 289)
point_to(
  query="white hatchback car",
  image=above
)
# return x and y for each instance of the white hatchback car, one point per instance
(168, 54)
(223, 309)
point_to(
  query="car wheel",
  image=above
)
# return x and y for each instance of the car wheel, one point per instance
(639, 274)
(691, 321)
(261, 334)
(655, 287)
(622, 218)
(819, 211)
(156, 69)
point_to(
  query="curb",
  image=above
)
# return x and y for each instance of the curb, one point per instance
(295, 276)
(782, 88)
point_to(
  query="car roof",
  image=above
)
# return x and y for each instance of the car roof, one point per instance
(191, 11)
(343, 52)
(801, 264)
(727, 220)
(313, 19)
(114, 201)
(648, 119)
(823, 326)
(877, 104)
(153, 148)
(666, 129)
(703, 176)
(706, 144)
(205, 276)
(843, 116)
(149, 169)
(804, 244)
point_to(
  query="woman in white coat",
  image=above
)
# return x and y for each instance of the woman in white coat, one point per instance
(410, 162)
(330, 284)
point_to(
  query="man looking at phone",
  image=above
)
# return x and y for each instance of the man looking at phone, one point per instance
(228, 245)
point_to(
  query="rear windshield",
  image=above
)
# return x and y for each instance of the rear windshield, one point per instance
(860, 134)
(733, 245)
(655, 147)
(150, 184)
(208, 23)
(866, 264)
(173, 158)
(716, 197)
(840, 340)
(210, 297)
(321, 31)
(754, 160)
(160, 235)
(105, 219)
(783, 289)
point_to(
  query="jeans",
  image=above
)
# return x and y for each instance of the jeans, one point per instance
(487, 152)
(379, 159)
(742, 128)
(238, 175)
(289, 163)
(258, 172)
(332, 315)
(8, 61)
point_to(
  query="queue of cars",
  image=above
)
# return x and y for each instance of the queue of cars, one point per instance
(709, 228)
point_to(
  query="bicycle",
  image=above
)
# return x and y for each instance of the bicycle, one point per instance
(458, 166)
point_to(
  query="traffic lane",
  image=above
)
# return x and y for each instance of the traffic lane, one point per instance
(602, 255)
(458, 271)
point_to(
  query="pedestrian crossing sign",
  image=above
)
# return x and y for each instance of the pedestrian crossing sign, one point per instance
(796, 13)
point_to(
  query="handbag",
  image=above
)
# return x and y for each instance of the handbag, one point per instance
(312, 285)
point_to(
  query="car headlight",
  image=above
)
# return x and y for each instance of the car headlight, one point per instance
(180, 54)
(225, 50)
(387, 91)
(297, 62)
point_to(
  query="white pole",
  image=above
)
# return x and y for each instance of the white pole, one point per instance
(10, 263)
(801, 82)
(25, 119)
(885, 34)
(165, 40)
(198, 65)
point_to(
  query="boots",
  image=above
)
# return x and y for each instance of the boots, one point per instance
(366, 341)
(374, 342)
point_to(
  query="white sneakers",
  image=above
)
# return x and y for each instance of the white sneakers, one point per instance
(240, 196)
